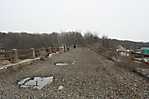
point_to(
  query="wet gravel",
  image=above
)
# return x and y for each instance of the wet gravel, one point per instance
(91, 77)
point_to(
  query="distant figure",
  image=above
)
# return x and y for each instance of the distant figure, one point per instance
(67, 48)
(74, 46)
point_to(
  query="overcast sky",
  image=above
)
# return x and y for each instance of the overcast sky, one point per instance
(122, 19)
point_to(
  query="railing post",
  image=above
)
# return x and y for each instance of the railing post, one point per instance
(15, 54)
(43, 53)
(33, 53)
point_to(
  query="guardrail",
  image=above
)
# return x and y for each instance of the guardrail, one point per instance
(14, 54)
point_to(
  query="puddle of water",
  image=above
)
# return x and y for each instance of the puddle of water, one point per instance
(35, 82)
(61, 63)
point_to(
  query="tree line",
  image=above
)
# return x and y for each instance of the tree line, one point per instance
(25, 40)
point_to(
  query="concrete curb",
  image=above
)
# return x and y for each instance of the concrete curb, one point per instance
(21, 63)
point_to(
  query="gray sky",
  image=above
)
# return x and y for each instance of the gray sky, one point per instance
(122, 19)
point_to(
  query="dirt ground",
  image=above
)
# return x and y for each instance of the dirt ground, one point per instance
(90, 77)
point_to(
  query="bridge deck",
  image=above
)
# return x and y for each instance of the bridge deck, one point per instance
(87, 76)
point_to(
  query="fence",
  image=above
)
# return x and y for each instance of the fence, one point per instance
(15, 54)
(25, 53)
(6, 54)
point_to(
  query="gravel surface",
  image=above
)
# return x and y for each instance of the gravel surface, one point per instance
(91, 77)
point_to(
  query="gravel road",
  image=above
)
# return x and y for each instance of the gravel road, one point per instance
(87, 76)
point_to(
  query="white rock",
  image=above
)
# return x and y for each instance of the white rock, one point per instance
(50, 55)
(60, 87)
